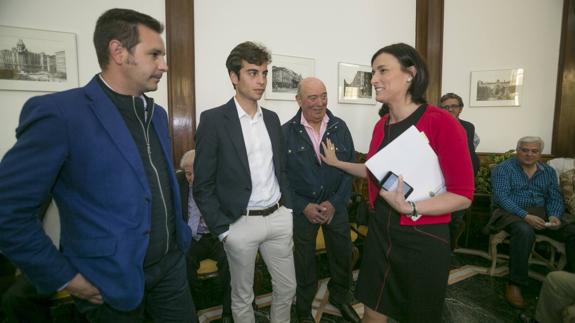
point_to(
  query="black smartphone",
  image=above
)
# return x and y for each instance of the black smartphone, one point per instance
(389, 183)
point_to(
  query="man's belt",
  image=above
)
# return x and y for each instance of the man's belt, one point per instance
(263, 212)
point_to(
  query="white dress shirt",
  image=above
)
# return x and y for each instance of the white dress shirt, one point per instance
(265, 187)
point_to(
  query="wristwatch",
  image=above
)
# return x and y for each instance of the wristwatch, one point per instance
(413, 215)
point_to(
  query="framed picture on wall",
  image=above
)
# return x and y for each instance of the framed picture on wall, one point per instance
(496, 88)
(354, 84)
(37, 60)
(284, 75)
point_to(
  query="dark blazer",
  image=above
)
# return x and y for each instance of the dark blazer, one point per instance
(75, 145)
(222, 182)
(470, 131)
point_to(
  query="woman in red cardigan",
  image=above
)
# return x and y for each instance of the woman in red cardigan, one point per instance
(406, 263)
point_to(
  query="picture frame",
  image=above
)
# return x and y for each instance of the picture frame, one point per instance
(285, 73)
(37, 60)
(354, 84)
(496, 88)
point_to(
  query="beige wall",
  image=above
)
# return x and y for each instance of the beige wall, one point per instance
(496, 34)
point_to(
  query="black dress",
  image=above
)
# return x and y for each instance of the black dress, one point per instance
(405, 269)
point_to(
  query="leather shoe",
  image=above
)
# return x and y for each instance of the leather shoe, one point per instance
(227, 319)
(347, 312)
(513, 296)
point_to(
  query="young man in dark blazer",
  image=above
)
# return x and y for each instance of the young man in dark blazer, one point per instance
(241, 186)
(103, 151)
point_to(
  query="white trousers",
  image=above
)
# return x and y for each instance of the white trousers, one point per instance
(272, 236)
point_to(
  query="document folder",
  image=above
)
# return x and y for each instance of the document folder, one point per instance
(410, 156)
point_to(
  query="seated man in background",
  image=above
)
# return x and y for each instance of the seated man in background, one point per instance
(567, 181)
(206, 245)
(454, 104)
(557, 293)
(526, 199)
(555, 298)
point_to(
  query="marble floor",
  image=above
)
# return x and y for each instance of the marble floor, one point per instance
(472, 296)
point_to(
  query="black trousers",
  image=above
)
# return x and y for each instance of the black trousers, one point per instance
(521, 243)
(167, 296)
(22, 303)
(209, 247)
(338, 244)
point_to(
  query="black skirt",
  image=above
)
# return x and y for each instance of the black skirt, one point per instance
(405, 269)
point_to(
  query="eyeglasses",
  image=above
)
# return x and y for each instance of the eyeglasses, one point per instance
(450, 107)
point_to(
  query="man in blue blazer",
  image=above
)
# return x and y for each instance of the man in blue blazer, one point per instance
(241, 187)
(103, 152)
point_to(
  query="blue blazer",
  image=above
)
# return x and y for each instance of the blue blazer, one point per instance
(76, 146)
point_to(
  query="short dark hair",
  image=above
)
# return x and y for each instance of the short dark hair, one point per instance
(409, 57)
(122, 25)
(450, 95)
(250, 52)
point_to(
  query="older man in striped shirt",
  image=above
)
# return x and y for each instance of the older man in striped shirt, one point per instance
(527, 199)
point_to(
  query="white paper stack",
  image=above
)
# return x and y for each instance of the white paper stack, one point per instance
(410, 156)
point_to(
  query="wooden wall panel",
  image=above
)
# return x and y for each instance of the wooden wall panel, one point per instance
(563, 143)
(429, 43)
(181, 75)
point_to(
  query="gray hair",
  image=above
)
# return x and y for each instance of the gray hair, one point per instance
(530, 139)
(188, 158)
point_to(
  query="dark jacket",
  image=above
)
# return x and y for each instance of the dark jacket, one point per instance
(470, 131)
(310, 181)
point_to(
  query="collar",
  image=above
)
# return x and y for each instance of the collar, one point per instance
(242, 113)
(141, 96)
(296, 120)
(538, 165)
(306, 124)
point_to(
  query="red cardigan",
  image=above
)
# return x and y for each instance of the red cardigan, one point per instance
(448, 139)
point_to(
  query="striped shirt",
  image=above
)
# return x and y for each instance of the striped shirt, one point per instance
(513, 191)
